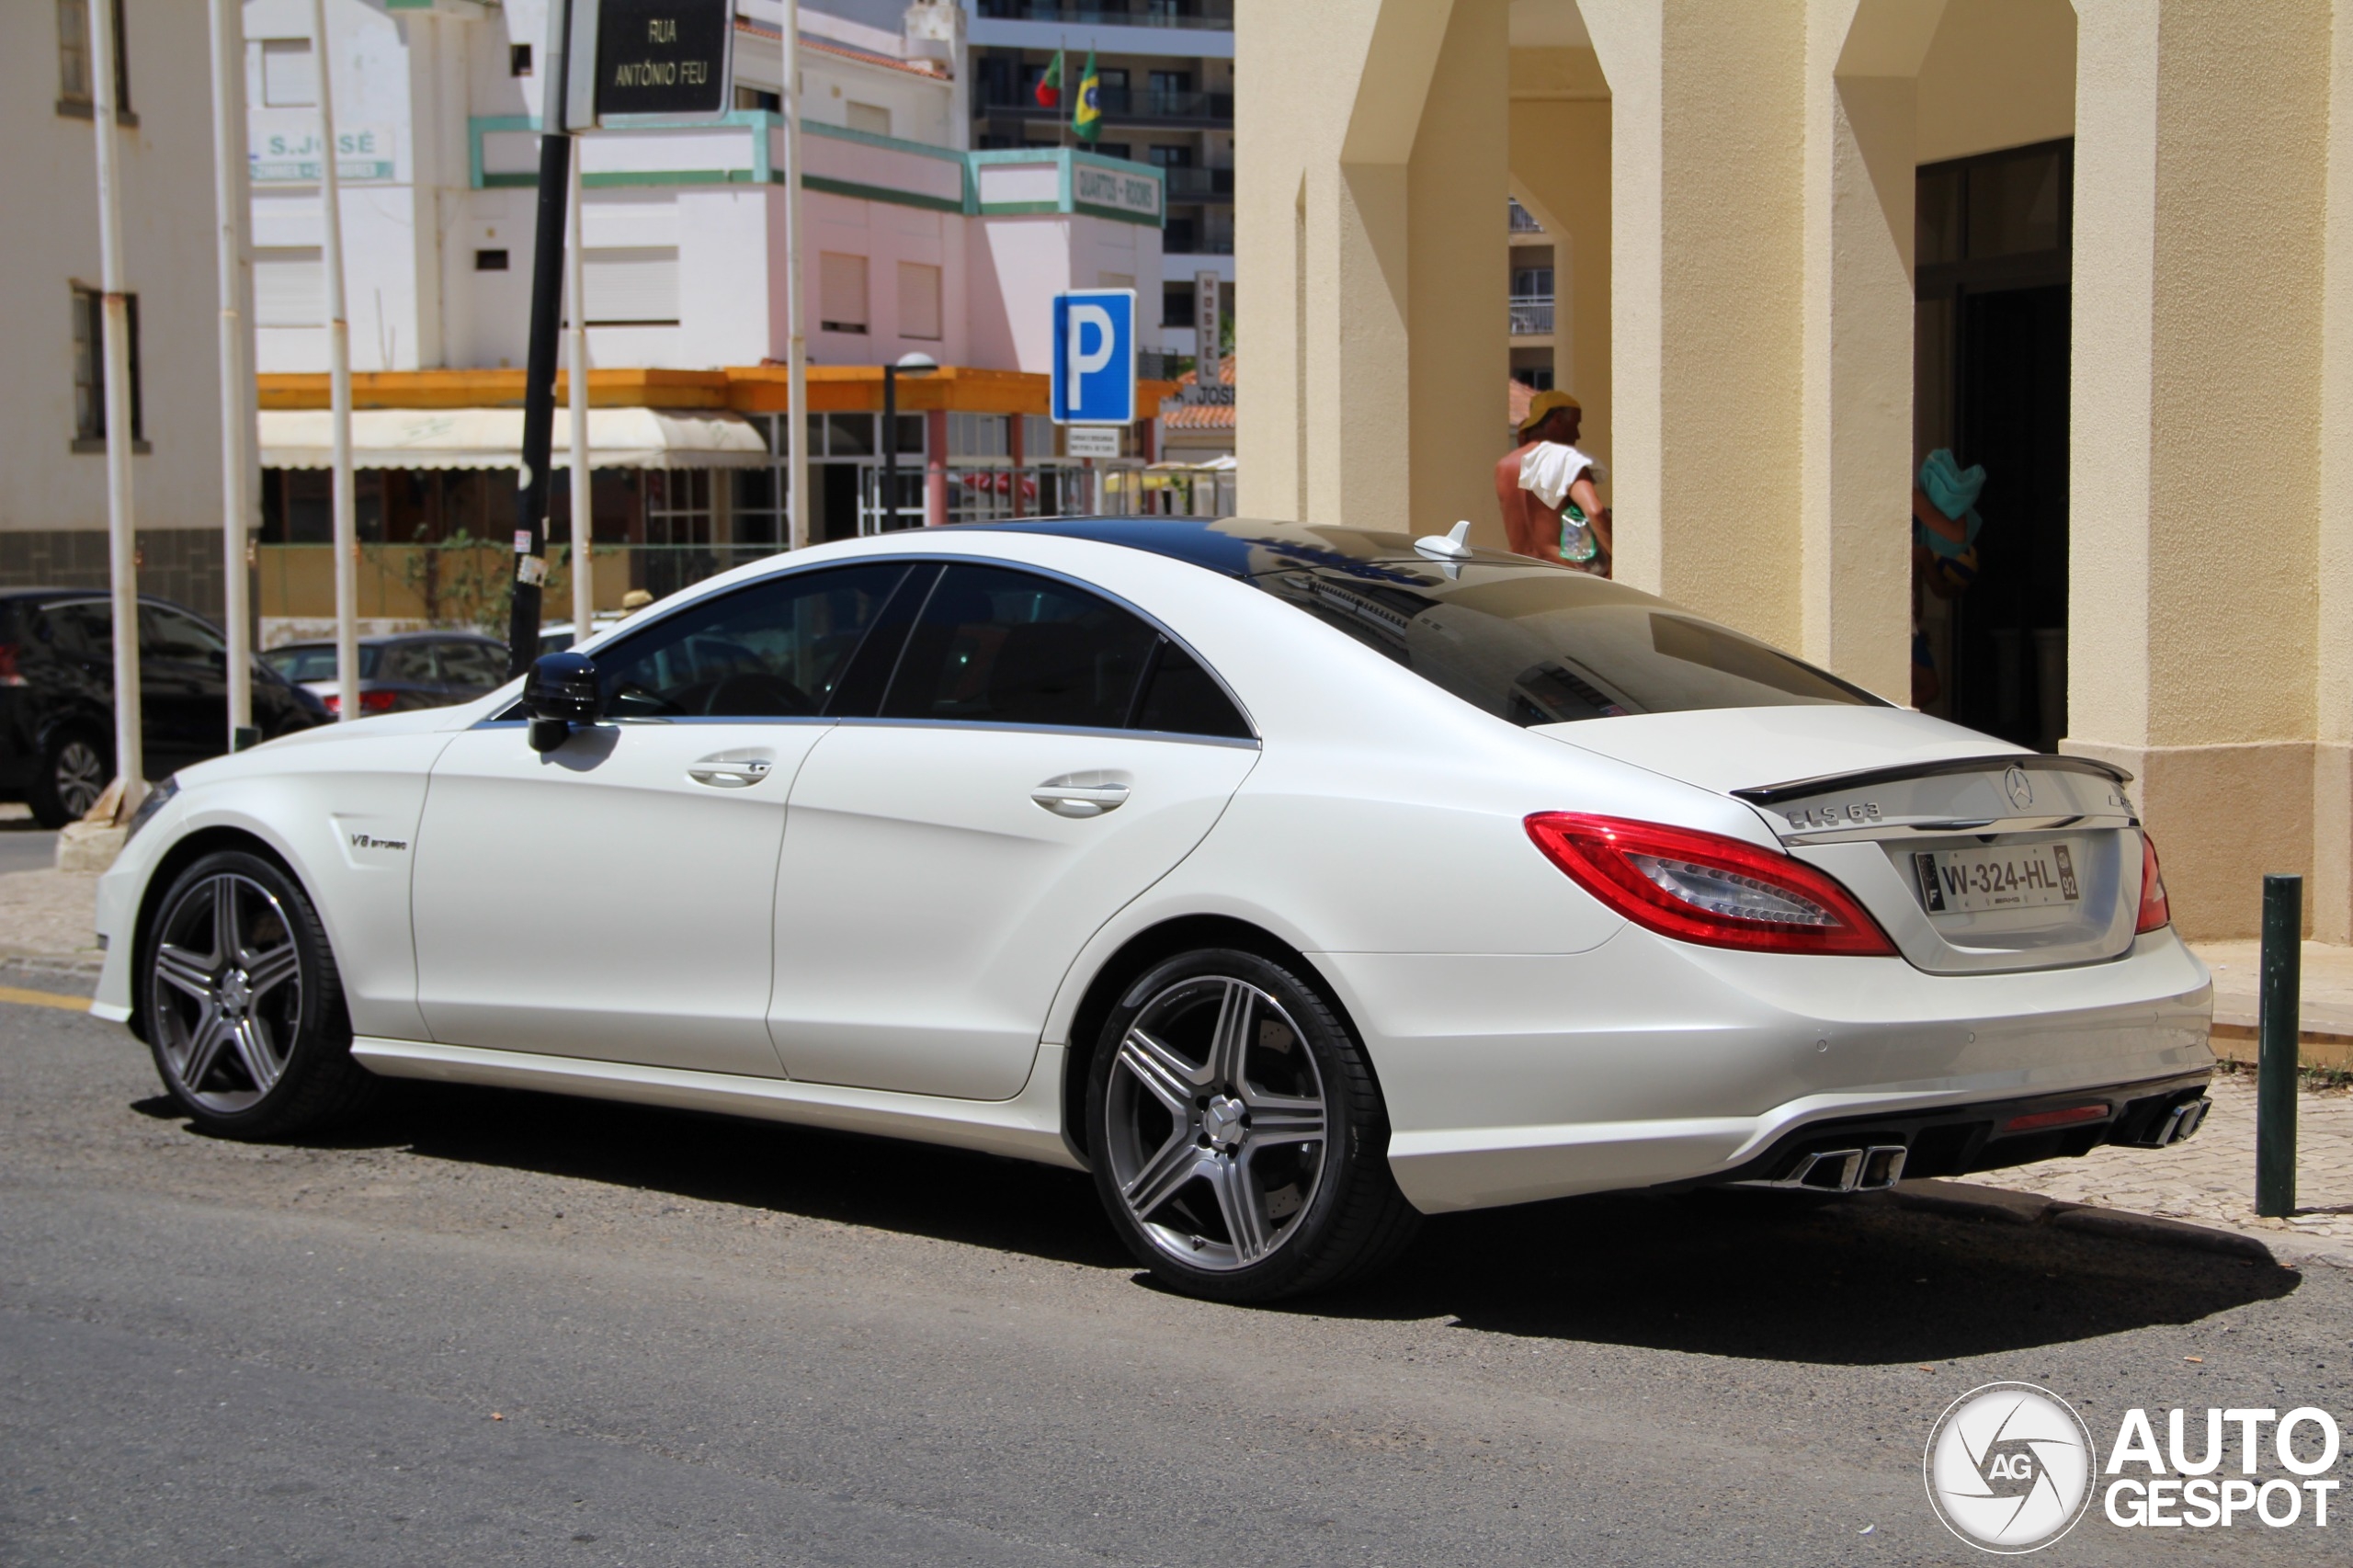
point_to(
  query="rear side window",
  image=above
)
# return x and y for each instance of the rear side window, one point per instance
(411, 662)
(1180, 697)
(995, 645)
(315, 661)
(82, 629)
(773, 649)
(472, 664)
(1541, 646)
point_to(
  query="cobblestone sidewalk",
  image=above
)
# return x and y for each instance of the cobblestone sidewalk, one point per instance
(2210, 1179)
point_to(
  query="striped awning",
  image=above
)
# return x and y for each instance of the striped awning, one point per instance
(493, 438)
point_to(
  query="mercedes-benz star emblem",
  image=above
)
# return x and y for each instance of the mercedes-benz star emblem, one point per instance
(2020, 787)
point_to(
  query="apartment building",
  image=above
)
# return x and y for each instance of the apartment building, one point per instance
(916, 243)
(52, 405)
(1167, 74)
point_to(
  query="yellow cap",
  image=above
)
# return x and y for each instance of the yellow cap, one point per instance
(1543, 403)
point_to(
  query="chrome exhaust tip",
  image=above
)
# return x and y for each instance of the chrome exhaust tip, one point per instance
(1871, 1169)
(2183, 1122)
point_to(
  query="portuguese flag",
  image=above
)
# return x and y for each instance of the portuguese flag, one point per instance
(1086, 120)
(1049, 85)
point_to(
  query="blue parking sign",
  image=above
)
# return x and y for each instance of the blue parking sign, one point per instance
(1095, 357)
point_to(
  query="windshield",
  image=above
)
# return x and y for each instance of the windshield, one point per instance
(1540, 644)
(315, 661)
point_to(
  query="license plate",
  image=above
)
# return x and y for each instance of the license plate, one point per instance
(1972, 881)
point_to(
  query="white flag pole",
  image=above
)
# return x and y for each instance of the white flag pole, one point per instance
(122, 539)
(346, 529)
(796, 357)
(584, 532)
(238, 437)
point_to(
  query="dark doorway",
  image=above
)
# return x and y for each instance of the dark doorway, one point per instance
(1992, 385)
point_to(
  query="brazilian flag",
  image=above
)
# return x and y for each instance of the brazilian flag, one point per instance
(1086, 118)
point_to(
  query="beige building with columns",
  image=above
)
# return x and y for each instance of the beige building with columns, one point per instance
(2103, 248)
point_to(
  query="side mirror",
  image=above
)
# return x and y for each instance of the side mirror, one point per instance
(559, 692)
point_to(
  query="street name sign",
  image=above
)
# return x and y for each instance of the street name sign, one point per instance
(666, 59)
(1095, 357)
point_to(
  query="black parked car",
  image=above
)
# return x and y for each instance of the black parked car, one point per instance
(57, 696)
(398, 670)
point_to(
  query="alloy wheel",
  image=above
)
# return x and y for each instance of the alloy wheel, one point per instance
(226, 991)
(1217, 1122)
(80, 776)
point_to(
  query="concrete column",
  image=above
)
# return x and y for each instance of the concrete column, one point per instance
(2200, 239)
(1855, 469)
(1707, 276)
(1370, 241)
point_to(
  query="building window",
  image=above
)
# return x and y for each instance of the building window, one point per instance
(1177, 237)
(518, 60)
(841, 292)
(872, 119)
(290, 77)
(1176, 304)
(918, 300)
(75, 50)
(90, 368)
(490, 261)
(289, 285)
(630, 285)
(759, 99)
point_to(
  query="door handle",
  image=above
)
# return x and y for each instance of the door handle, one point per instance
(730, 772)
(1079, 799)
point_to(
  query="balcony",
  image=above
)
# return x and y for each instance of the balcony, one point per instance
(1212, 15)
(1198, 184)
(1531, 316)
(1522, 220)
(1124, 105)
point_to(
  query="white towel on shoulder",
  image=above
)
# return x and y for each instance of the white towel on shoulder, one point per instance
(1548, 468)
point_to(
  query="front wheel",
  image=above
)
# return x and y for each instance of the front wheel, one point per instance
(1238, 1138)
(242, 1004)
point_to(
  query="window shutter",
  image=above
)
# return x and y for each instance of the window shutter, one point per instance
(841, 291)
(630, 285)
(289, 285)
(918, 299)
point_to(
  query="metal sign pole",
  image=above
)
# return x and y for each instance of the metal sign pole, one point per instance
(346, 527)
(584, 530)
(539, 375)
(796, 356)
(121, 531)
(238, 436)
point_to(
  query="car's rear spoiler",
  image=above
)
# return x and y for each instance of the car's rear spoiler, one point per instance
(2040, 762)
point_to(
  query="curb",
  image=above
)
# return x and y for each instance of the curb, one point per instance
(1960, 1200)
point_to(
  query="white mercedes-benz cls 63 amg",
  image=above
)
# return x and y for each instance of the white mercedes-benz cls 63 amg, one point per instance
(1294, 882)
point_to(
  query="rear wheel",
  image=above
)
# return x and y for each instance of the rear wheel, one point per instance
(242, 1003)
(1238, 1138)
(70, 776)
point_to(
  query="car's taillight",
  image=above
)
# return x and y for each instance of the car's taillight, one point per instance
(2156, 914)
(8, 672)
(369, 702)
(1702, 887)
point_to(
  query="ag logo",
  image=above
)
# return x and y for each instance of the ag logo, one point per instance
(2009, 1468)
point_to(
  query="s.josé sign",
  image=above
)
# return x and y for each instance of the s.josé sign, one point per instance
(2010, 1467)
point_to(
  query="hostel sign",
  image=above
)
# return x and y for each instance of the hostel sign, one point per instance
(674, 59)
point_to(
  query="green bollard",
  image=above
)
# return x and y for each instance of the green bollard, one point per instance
(2278, 1027)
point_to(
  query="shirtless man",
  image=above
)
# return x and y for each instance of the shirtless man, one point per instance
(1545, 488)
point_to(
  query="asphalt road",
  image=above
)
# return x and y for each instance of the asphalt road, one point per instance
(500, 1327)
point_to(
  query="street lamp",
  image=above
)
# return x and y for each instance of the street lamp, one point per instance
(912, 364)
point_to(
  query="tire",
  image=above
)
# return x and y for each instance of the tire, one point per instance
(72, 773)
(1238, 1138)
(247, 1023)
